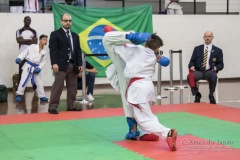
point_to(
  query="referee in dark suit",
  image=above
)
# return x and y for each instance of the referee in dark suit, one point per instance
(66, 61)
(207, 70)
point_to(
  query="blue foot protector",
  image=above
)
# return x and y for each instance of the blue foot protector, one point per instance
(132, 135)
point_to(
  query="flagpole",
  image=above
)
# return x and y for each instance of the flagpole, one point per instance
(123, 3)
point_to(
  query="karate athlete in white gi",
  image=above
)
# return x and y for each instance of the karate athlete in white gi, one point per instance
(35, 56)
(139, 67)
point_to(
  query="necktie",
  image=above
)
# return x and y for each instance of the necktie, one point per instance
(70, 44)
(205, 58)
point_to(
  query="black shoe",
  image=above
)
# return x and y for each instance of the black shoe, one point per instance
(52, 111)
(74, 109)
(198, 97)
(212, 100)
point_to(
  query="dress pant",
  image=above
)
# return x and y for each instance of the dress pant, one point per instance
(90, 80)
(71, 84)
(204, 75)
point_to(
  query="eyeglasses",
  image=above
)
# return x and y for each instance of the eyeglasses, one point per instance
(67, 20)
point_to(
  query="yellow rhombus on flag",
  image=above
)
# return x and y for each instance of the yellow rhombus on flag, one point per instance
(89, 23)
(91, 40)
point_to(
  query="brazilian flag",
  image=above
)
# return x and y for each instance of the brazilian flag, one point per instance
(89, 24)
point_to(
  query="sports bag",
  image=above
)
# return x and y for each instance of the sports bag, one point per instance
(3, 93)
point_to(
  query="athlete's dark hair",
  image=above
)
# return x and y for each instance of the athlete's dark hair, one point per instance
(154, 42)
(43, 36)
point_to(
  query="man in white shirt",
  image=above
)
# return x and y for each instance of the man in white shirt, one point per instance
(25, 36)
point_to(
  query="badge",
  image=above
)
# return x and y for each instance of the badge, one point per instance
(214, 59)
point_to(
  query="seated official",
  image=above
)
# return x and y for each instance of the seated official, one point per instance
(205, 63)
(90, 79)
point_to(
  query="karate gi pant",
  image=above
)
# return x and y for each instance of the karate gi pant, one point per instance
(172, 11)
(119, 65)
(37, 80)
(148, 122)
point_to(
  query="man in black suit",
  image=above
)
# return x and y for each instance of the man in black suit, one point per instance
(205, 63)
(66, 61)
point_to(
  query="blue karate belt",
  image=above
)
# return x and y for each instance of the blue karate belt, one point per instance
(30, 73)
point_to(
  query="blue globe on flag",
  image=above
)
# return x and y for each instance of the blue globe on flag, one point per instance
(95, 41)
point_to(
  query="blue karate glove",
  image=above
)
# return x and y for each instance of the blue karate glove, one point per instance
(18, 60)
(37, 70)
(164, 61)
(138, 38)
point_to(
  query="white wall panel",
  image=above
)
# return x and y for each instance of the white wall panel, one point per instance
(178, 32)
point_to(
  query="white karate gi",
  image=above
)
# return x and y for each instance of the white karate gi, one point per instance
(173, 7)
(32, 54)
(31, 6)
(139, 63)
